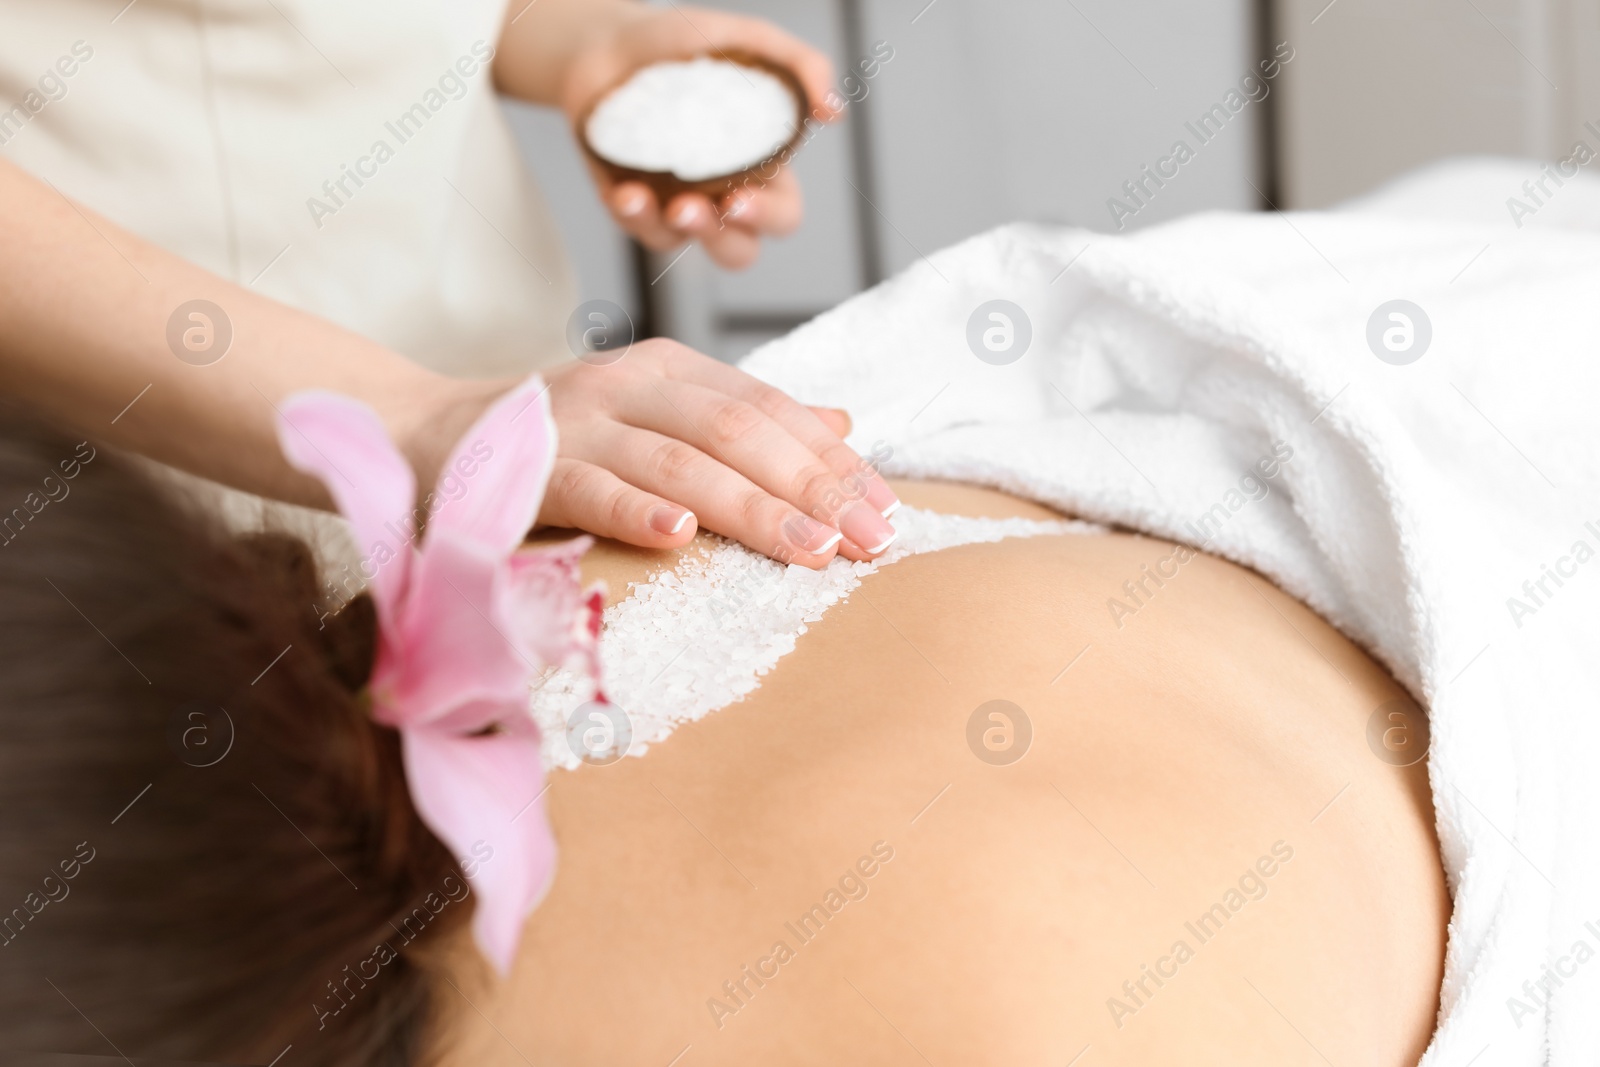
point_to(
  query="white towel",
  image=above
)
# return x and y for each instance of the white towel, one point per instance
(1418, 501)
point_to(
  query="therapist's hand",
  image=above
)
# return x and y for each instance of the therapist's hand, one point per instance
(667, 440)
(661, 433)
(587, 51)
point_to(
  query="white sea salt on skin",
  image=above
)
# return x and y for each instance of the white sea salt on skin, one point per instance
(700, 636)
(697, 119)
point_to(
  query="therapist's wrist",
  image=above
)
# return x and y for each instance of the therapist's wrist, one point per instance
(436, 414)
(541, 42)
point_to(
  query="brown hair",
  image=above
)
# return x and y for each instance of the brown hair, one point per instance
(207, 848)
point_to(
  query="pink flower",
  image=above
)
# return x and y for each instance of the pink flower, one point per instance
(465, 625)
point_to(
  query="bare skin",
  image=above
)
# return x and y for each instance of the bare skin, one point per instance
(1219, 734)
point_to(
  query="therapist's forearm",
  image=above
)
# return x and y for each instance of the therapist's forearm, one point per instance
(84, 310)
(540, 39)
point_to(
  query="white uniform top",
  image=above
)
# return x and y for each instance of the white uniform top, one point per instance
(344, 156)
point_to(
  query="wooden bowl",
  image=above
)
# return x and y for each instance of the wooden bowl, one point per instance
(666, 184)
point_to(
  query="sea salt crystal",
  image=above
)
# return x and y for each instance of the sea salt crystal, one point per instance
(697, 119)
(700, 637)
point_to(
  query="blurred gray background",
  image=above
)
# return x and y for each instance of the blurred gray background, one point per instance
(1042, 109)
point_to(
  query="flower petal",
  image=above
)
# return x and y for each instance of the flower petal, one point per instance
(503, 462)
(482, 797)
(457, 656)
(544, 599)
(342, 442)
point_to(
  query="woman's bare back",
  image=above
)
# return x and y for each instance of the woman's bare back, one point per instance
(979, 816)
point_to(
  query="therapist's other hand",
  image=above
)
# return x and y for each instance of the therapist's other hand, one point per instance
(668, 440)
(730, 227)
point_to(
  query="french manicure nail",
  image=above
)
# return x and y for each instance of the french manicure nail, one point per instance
(842, 415)
(811, 536)
(861, 522)
(666, 519)
(633, 203)
(686, 216)
(880, 496)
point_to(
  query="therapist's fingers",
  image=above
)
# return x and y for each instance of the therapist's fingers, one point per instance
(837, 420)
(723, 499)
(657, 227)
(859, 478)
(773, 207)
(635, 208)
(583, 496)
(685, 430)
(820, 483)
(820, 430)
(688, 216)
(730, 247)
